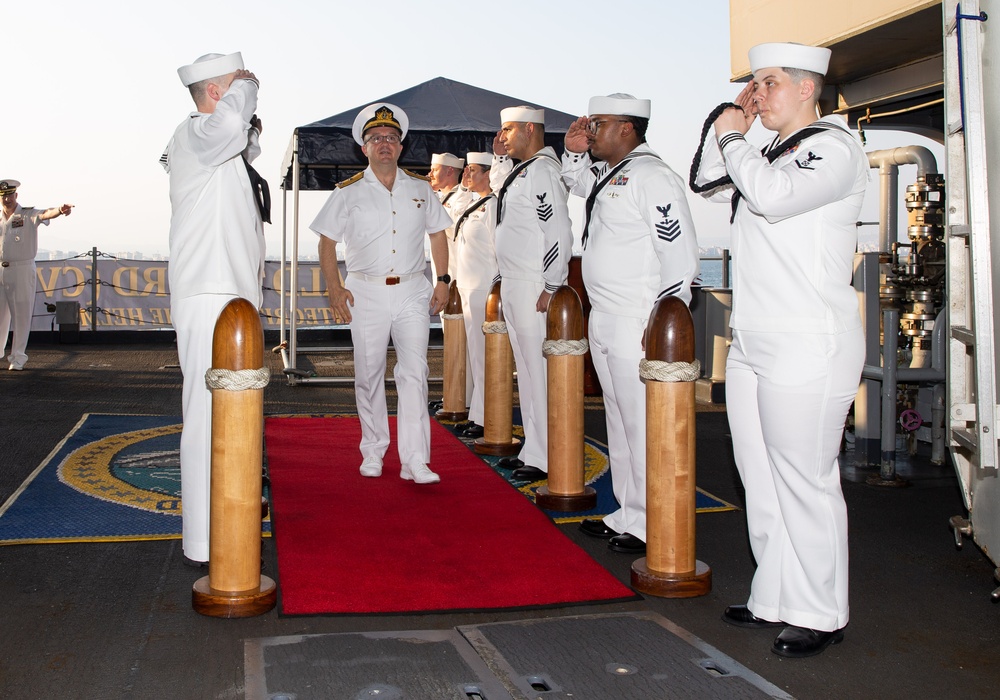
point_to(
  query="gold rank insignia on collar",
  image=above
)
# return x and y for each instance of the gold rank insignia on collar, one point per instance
(416, 176)
(351, 180)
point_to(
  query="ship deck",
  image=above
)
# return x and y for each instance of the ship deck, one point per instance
(114, 620)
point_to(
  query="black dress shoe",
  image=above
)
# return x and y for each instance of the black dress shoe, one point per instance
(799, 642)
(595, 527)
(459, 427)
(435, 405)
(629, 544)
(194, 563)
(474, 431)
(528, 473)
(510, 463)
(741, 616)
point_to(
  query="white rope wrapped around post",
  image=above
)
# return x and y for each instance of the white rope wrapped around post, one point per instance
(661, 371)
(565, 347)
(497, 327)
(237, 379)
(452, 317)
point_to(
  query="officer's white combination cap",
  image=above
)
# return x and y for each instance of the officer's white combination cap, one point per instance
(479, 158)
(379, 114)
(211, 65)
(788, 55)
(8, 186)
(522, 114)
(619, 104)
(452, 161)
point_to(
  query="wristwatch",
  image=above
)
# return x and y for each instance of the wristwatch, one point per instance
(444, 278)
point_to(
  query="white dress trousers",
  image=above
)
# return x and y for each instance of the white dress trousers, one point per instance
(474, 311)
(787, 396)
(194, 320)
(616, 361)
(526, 330)
(17, 300)
(399, 312)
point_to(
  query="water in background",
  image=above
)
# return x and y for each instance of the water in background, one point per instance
(711, 273)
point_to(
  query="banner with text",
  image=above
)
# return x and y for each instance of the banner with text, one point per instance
(135, 295)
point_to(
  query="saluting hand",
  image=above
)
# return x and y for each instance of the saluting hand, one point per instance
(578, 135)
(66, 209)
(738, 119)
(499, 147)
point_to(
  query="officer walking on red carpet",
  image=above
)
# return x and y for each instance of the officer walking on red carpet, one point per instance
(382, 216)
(639, 245)
(798, 345)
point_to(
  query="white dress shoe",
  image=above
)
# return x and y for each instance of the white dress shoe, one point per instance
(372, 466)
(15, 367)
(420, 474)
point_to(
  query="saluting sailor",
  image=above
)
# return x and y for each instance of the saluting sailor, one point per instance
(216, 251)
(446, 180)
(18, 247)
(476, 269)
(639, 245)
(798, 349)
(382, 215)
(534, 241)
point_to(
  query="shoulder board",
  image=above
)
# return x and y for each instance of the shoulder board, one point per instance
(351, 180)
(416, 176)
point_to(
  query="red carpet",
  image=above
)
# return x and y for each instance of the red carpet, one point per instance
(350, 544)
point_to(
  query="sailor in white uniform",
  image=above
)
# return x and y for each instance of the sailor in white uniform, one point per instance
(639, 245)
(216, 252)
(476, 269)
(446, 180)
(382, 216)
(534, 242)
(18, 247)
(797, 351)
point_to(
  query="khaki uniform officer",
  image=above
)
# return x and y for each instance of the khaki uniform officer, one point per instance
(639, 246)
(798, 346)
(534, 241)
(382, 215)
(476, 269)
(18, 246)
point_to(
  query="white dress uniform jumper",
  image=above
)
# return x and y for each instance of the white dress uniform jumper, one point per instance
(534, 241)
(216, 254)
(640, 245)
(795, 362)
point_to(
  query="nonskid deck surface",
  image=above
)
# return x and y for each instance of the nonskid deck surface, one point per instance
(114, 620)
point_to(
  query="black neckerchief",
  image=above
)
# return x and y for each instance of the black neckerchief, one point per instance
(775, 152)
(261, 192)
(465, 214)
(598, 186)
(510, 178)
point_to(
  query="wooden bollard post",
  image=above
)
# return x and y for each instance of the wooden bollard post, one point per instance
(669, 569)
(565, 489)
(234, 586)
(453, 406)
(498, 385)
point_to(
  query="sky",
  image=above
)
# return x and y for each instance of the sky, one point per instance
(92, 94)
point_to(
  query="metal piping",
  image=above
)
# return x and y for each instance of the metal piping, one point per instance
(888, 161)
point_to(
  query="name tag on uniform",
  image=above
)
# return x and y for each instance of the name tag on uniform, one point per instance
(17, 223)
